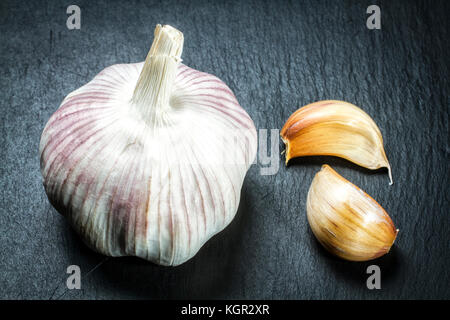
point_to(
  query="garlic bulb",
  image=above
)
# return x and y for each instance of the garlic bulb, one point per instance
(335, 128)
(148, 159)
(347, 221)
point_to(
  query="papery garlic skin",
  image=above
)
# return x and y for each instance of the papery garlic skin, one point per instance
(335, 128)
(347, 221)
(148, 159)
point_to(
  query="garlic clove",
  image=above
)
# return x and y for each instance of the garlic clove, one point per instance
(346, 220)
(148, 159)
(335, 128)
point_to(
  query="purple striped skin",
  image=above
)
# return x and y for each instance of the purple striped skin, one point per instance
(108, 181)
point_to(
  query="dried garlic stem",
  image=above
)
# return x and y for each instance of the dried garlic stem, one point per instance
(154, 87)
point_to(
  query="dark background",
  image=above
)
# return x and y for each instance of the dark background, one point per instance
(276, 56)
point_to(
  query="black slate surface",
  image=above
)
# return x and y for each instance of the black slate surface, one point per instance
(276, 57)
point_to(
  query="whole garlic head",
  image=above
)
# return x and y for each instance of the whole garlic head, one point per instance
(148, 159)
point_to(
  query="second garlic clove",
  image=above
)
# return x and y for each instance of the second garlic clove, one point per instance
(346, 220)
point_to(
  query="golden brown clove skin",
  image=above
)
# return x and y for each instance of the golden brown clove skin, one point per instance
(346, 220)
(335, 128)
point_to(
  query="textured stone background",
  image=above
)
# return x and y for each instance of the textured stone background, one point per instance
(276, 56)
